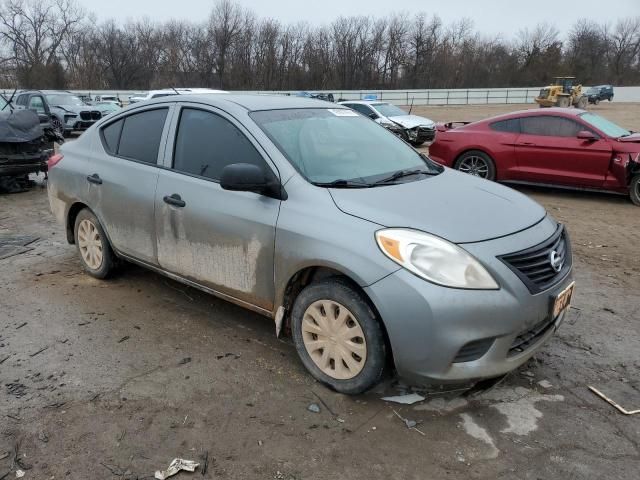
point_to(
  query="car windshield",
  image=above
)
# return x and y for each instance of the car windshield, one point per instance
(70, 100)
(388, 110)
(605, 126)
(341, 147)
(593, 90)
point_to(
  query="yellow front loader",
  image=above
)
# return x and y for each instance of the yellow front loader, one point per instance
(562, 93)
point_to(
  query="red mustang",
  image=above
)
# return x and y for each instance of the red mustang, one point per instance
(554, 146)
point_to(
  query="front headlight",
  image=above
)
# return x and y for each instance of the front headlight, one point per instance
(434, 259)
(391, 126)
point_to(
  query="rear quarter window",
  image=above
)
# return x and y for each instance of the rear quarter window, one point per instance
(512, 125)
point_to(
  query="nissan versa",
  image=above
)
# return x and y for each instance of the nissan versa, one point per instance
(368, 252)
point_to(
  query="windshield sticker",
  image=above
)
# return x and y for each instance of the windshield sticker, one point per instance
(343, 112)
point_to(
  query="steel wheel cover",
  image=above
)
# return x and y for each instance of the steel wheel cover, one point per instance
(475, 165)
(334, 339)
(90, 244)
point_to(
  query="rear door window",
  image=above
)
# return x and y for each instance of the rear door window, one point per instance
(138, 137)
(206, 143)
(549, 126)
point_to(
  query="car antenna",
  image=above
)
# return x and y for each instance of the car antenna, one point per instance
(411, 107)
(175, 90)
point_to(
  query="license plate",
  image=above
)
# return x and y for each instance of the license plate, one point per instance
(562, 301)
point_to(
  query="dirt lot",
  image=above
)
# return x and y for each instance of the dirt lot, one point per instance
(114, 379)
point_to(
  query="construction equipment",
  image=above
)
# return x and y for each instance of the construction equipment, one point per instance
(562, 93)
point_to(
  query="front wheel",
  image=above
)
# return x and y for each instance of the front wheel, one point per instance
(57, 125)
(338, 337)
(478, 164)
(634, 190)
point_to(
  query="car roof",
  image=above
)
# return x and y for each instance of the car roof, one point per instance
(251, 102)
(533, 112)
(365, 102)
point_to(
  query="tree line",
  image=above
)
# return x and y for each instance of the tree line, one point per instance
(57, 44)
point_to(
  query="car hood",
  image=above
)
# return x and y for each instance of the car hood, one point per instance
(74, 108)
(453, 205)
(412, 121)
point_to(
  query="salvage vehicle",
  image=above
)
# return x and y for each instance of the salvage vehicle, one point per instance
(107, 108)
(327, 97)
(25, 147)
(67, 111)
(599, 93)
(558, 147)
(315, 217)
(412, 128)
(168, 92)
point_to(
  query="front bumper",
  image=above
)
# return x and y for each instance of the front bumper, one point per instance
(430, 326)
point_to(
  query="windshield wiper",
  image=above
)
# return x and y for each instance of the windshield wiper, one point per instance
(404, 173)
(341, 183)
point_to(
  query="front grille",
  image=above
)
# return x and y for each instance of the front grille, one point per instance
(473, 350)
(85, 115)
(535, 265)
(96, 115)
(530, 337)
(426, 133)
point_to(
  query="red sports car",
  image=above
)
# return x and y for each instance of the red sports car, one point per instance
(553, 146)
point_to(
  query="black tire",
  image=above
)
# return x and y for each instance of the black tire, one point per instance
(467, 158)
(416, 144)
(335, 289)
(582, 103)
(634, 190)
(108, 262)
(596, 101)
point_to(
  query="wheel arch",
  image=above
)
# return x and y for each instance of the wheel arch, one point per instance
(314, 273)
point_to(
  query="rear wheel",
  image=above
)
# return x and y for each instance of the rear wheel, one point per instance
(338, 336)
(634, 190)
(478, 164)
(95, 252)
(563, 102)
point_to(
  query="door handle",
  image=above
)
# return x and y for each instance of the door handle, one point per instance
(95, 178)
(174, 200)
(527, 144)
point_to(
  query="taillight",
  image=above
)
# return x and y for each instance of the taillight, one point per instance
(54, 160)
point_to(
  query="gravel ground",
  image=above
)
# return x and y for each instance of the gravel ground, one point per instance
(114, 379)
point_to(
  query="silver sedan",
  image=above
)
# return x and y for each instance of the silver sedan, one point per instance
(370, 254)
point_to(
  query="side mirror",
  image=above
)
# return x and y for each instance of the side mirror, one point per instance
(587, 136)
(245, 177)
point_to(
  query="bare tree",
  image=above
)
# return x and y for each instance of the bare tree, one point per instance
(35, 29)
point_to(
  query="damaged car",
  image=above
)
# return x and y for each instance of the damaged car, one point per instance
(26, 145)
(67, 111)
(314, 216)
(560, 147)
(412, 128)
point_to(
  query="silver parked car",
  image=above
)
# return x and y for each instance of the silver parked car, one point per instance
(368, 252)
(412, 128)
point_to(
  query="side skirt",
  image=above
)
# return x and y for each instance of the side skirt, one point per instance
(191, 283)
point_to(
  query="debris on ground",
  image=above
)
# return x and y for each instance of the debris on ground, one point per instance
(184, 361)
(235, 356)
(11, 245)
(613, 403)
(408, 399)
(19, 473)
(205, 463)
(546, 384)
(411, 424)
(177, 465)
(314, 408)
(124, 339)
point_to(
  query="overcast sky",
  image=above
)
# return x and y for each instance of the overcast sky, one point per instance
(491, 17)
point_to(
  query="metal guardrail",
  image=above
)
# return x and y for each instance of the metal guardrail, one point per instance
(436, 97)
